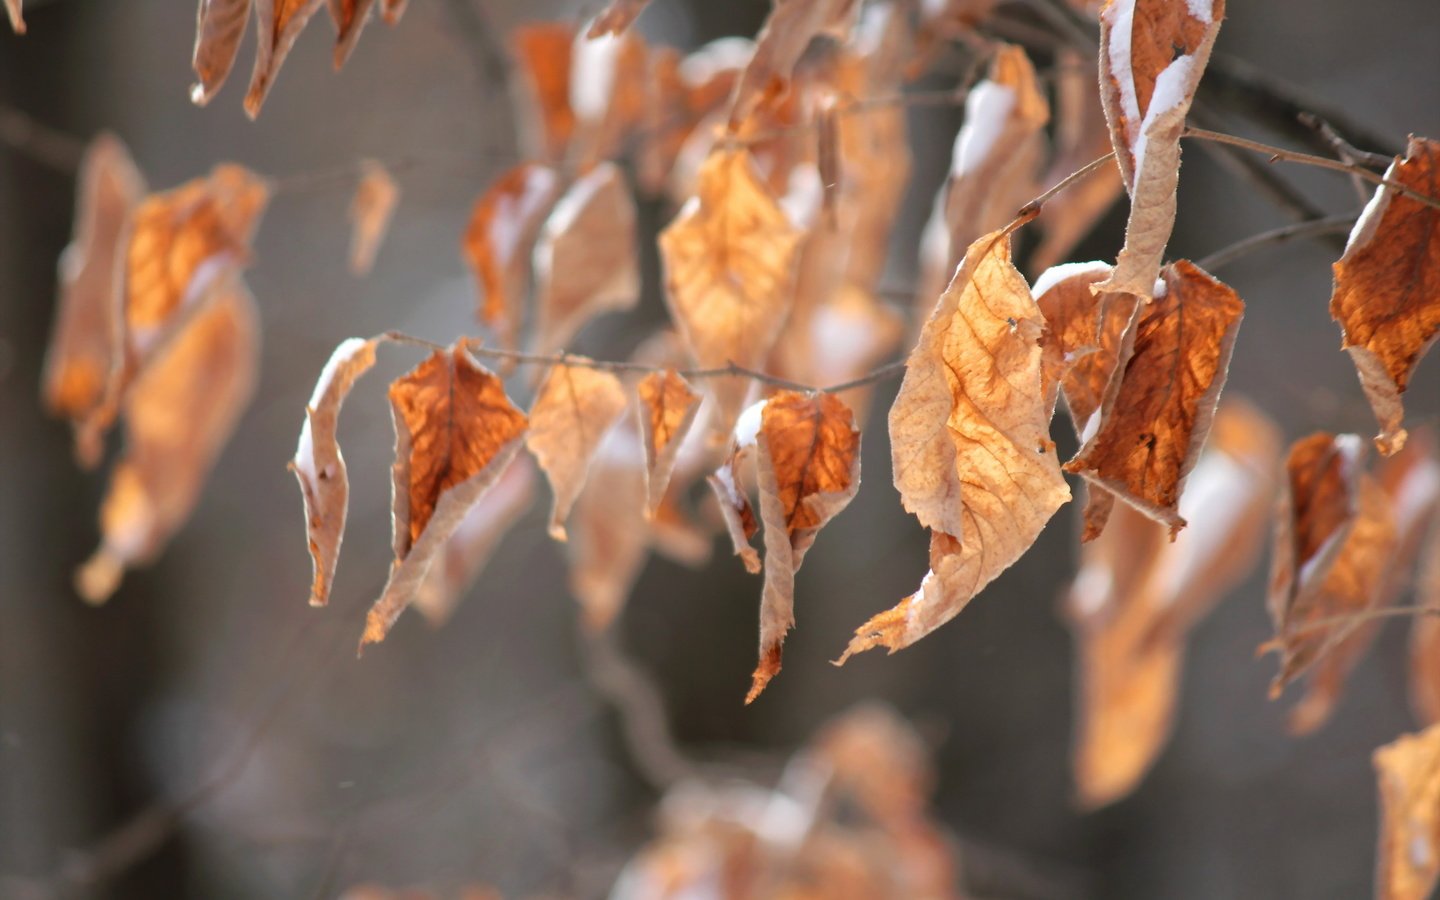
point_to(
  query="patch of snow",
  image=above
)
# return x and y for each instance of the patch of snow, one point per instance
(1372, 211)
(1065, 271)
(1170, 89)
(986, 109)
(720, 55)
(1119, 18)
(1204, 10)
(592, 75)
(804, 192)
(747, 427)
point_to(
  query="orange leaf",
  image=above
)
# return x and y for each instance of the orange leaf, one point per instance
(455, 432)
(542, 67)
(219, 26)
(349, 17)
(375, 199)
(1387, 287)
(667, 409)
(277, 24)
(1152, 54)
(1408, 770)
(498, 242)
(787, 31)
(572, 412)
(609, 93)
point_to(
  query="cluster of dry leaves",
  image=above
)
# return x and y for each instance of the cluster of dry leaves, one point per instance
(786, 158)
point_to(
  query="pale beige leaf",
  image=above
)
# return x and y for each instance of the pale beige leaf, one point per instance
(277, 24)
(219, 26)
(374, 203)
(1425, 635)
(1408, 770)
(573, 410)
(17, 18)
(609, 537)
(667, 410)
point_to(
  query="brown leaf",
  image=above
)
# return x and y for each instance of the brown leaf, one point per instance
(573, 410)
(1152, 54)
(375, 199)
(667, 410)
(319, 465)
(1334, 537)
(455, 432)
(586, 261)
(729, 486)
(178, 415)
(808, 469)
(1085, 334)
(392, 10)
(787, 31)
(277, 24)
(617, 16)
(542, 65)
(969, 442)
(17, 19)
(1387, 287)
(80, 357)
(729, 267)
(459, 564)
(349, 17)
(219, 26)
(1425, 635)
(498, 241)
(1137, 594)
(1408, 770)
(1155, 417)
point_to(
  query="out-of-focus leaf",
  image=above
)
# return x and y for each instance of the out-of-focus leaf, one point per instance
(573, 410)
(542, 85)
(498, 242)
(277, 24)
(376, 196)
(219, 26)
(1408, 770)
(667, 410)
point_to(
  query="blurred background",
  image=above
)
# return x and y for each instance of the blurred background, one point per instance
(485, 751)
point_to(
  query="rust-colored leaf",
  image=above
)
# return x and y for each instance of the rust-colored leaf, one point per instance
(277, 24)
(1408, 770)
(320, 466)
(219, 26)
(1387, 287)
(1152, 54)
(609, 94)
(178, 415)
(573, 410)
(498, 242)
(350, 17)
(455, 432)
(542, 82)
(667, 410)
(970, 445)
(729, 268)
(1155, 417)
(586, 261)
(375, 199)
(617, 16)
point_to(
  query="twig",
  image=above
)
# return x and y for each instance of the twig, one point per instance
(1338, 224)
(1032, 209)
(1388, 612)
(45, 145)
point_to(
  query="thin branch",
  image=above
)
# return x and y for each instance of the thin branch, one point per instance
(1358, 618)
(1032, 209)
(1338, 224)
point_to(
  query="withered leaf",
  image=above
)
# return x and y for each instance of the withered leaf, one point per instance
(573, 410)
(1408, 770)
(667, 410)
(219, 26)
(1425, 636)
(455, 432)
(808, 469)
(392, 10)
(729, 267)
(320, 466)
(542, 67)
(729, 486)
(787, 31)
(498, 242)
(609, 94)
(1152, 54)
(617, 16)
(277, 24)
(78, 362)
(1155, 417)
(17, 19)
(586, 261)
(349, 17)
(376, 196)
(1387, 287)
(178, 415)
(970, 445)
(1137, 594)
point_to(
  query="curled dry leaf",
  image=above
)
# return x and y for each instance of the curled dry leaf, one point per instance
(586, 261)
(970, 444)
(1334, 537)
(219, 26)
(667, 410)
(1137, 594)
(320, 466)
(81, 353)
(178, 415)
(542, 85)
(1155, 416)
(455, 432)
(617, 16)
(349, 17)
(1152, 54)
(573, 410)
(375, 199)
(787, 31)
(1387, 287)
(729, 267)
(498, 242)
(277, 24)
(729, 487)
(1408, 770)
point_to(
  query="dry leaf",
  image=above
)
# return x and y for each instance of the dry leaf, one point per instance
(969, 442)
(1425, 635)
(729, 267)
(1152, 54)
(392, 10)
(609, 94)
(375, 199)
(787, 31)
(617, 16)
(1409, 853)
(17, 19)
(219, 26)
(542, 82)
(667, 410)
(609, 537)
(455, 432)
(277, 24)
(80, 357)
(349, 17)
(178, 415)
(459, 565)
(586, 261)
(573, 410)
(1155, 417)
(1136, 595)
(729, 486)
(319, 465)
(498, 242)
(1387, 287)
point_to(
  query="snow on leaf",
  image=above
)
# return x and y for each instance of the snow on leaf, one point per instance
(498, 243)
